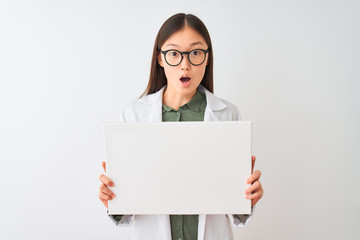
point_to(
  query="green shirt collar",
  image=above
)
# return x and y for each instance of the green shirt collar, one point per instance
(193, 104)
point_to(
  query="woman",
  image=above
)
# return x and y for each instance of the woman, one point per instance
(180, 89)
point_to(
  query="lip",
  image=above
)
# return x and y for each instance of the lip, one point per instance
(185, 75)
(187, 83)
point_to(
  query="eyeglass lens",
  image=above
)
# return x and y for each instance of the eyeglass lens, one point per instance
(196, 57)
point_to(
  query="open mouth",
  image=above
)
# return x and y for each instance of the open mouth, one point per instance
(185, 79)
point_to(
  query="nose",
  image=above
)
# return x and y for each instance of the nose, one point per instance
(185, 64)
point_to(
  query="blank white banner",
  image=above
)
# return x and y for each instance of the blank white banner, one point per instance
(179, 167)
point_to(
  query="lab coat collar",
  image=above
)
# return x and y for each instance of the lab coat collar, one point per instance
(213, 102)
(155, 99)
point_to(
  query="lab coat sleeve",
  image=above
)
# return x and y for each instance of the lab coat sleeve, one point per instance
(241, 220)
(121, 220)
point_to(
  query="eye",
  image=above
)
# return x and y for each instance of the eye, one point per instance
(195, 52)
(173, 54)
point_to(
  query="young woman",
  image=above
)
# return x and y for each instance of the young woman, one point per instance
(180, 88)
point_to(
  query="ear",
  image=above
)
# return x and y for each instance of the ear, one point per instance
(160, 61)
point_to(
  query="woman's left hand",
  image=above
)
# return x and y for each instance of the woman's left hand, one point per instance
(255, 191)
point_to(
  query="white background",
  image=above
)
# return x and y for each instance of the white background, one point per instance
(292, 67)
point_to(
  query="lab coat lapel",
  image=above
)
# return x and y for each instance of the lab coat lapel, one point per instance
(210, 116)
(154, 101)
(213, 104)
(201, 226)
(164, 226)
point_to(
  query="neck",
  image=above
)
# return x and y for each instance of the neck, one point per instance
(175, 99)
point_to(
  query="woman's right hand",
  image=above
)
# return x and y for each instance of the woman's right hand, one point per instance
(105, 194)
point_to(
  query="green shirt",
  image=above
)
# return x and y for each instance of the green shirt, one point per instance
(185, 227)
(191, 111)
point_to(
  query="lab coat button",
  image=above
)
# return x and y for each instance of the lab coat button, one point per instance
(179, 238)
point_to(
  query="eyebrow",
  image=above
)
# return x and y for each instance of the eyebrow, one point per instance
(192, 44)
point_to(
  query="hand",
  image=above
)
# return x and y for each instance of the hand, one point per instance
(105, 194)
(255, 191)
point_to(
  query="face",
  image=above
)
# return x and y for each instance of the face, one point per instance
(185, 39)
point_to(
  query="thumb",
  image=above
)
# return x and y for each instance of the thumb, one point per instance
(104, 166)
(253, 158)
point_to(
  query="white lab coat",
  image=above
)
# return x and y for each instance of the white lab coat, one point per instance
(210, 227)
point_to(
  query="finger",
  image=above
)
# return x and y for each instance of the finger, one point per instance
(104, 165)
(105, 203)
(254, 201)
(253, 158)
(104, 189)
(255, 176)
(257, 195)
(105, 180)
(254, 187)
(254, 195)
(260, 193)
(104, 199)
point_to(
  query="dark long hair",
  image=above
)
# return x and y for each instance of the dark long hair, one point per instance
(175, 23)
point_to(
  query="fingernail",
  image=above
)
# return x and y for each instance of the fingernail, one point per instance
(113, 195)
(111, 184)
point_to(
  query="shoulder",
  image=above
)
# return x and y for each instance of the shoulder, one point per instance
(231, 108)
(230, 112)
(134, 111)
(141, 109)
(222, 109)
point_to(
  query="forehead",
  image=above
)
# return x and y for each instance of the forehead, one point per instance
(184, 39)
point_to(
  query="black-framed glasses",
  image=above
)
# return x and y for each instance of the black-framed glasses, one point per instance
(174, 57)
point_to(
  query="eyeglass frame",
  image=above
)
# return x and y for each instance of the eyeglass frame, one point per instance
(182, 57)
